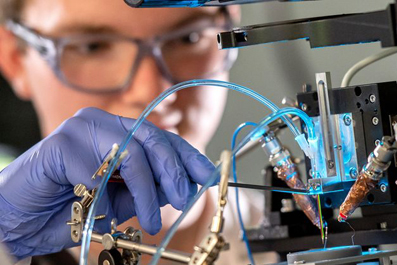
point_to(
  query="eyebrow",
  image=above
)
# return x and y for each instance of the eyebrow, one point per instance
(82, 28)
(192, 19)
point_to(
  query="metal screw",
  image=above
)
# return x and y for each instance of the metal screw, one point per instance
(113, 225)
(288, 102)
(377, 142)
(383, 188)
(338, 147)
(383, 225)
(375, 121)
(372, 98)
(347, 120)
(353, 173)
(80, 190)
(331, 164)
(304, 107)
(106, 262)
(287, 205)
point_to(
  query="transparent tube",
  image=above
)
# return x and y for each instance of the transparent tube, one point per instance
(236, 190)
(259, 128)
(89, 224)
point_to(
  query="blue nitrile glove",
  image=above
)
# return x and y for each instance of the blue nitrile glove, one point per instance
(36, 190)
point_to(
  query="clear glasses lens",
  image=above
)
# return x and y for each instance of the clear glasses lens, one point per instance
(106, 64)
(98, 64)
(194, 55)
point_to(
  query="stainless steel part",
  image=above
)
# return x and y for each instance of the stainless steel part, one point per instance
(272, 147)
(379, 160)
(113, 225)
(80, 210)
(286, 101)
(87, 196)
(77, 222)
(102, 169)
(325, 113)
(208, 250)
(146, 249)
(330, 128)
(211, 245)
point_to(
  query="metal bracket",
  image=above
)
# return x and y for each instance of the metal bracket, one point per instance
(319, 31)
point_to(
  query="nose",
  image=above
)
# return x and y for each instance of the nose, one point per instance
(147, 84)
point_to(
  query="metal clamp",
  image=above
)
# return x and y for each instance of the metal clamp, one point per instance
(80, 210)
(210, 247)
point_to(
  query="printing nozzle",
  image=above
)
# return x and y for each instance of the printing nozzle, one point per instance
(378, 162)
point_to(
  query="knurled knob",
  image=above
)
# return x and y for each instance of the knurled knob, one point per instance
(80, 190)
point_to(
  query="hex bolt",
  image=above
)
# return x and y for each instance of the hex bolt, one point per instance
(353, 173)
(375, 121)
(331, 164)
(347, 120)
(372, 98)
(383, 188)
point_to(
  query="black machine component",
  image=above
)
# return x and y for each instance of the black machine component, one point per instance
(110, 257)
(320, 31)
(373, 113)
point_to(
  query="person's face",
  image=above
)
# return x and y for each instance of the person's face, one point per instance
(192, 113)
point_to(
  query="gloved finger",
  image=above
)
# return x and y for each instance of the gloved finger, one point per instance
(73, 154)
(167, 168)
(138, 177)
(162, 196)
(122, 201)
(198, 166)
(104, 130)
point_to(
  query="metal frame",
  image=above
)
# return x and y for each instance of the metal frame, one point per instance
(320, 31)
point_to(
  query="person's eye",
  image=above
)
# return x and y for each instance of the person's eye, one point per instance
(192, 38)
(91, 48)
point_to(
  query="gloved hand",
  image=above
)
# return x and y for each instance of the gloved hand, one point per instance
(36, 190)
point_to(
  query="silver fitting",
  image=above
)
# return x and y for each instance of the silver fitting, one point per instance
(273, 148)
(379, 160)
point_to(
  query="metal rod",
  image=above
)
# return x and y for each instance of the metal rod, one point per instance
(323, 81)
(146, 249)
(270, 188)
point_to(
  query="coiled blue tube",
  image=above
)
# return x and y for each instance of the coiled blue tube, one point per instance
(89, 224)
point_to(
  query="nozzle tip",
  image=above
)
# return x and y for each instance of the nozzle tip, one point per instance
(342, 217)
